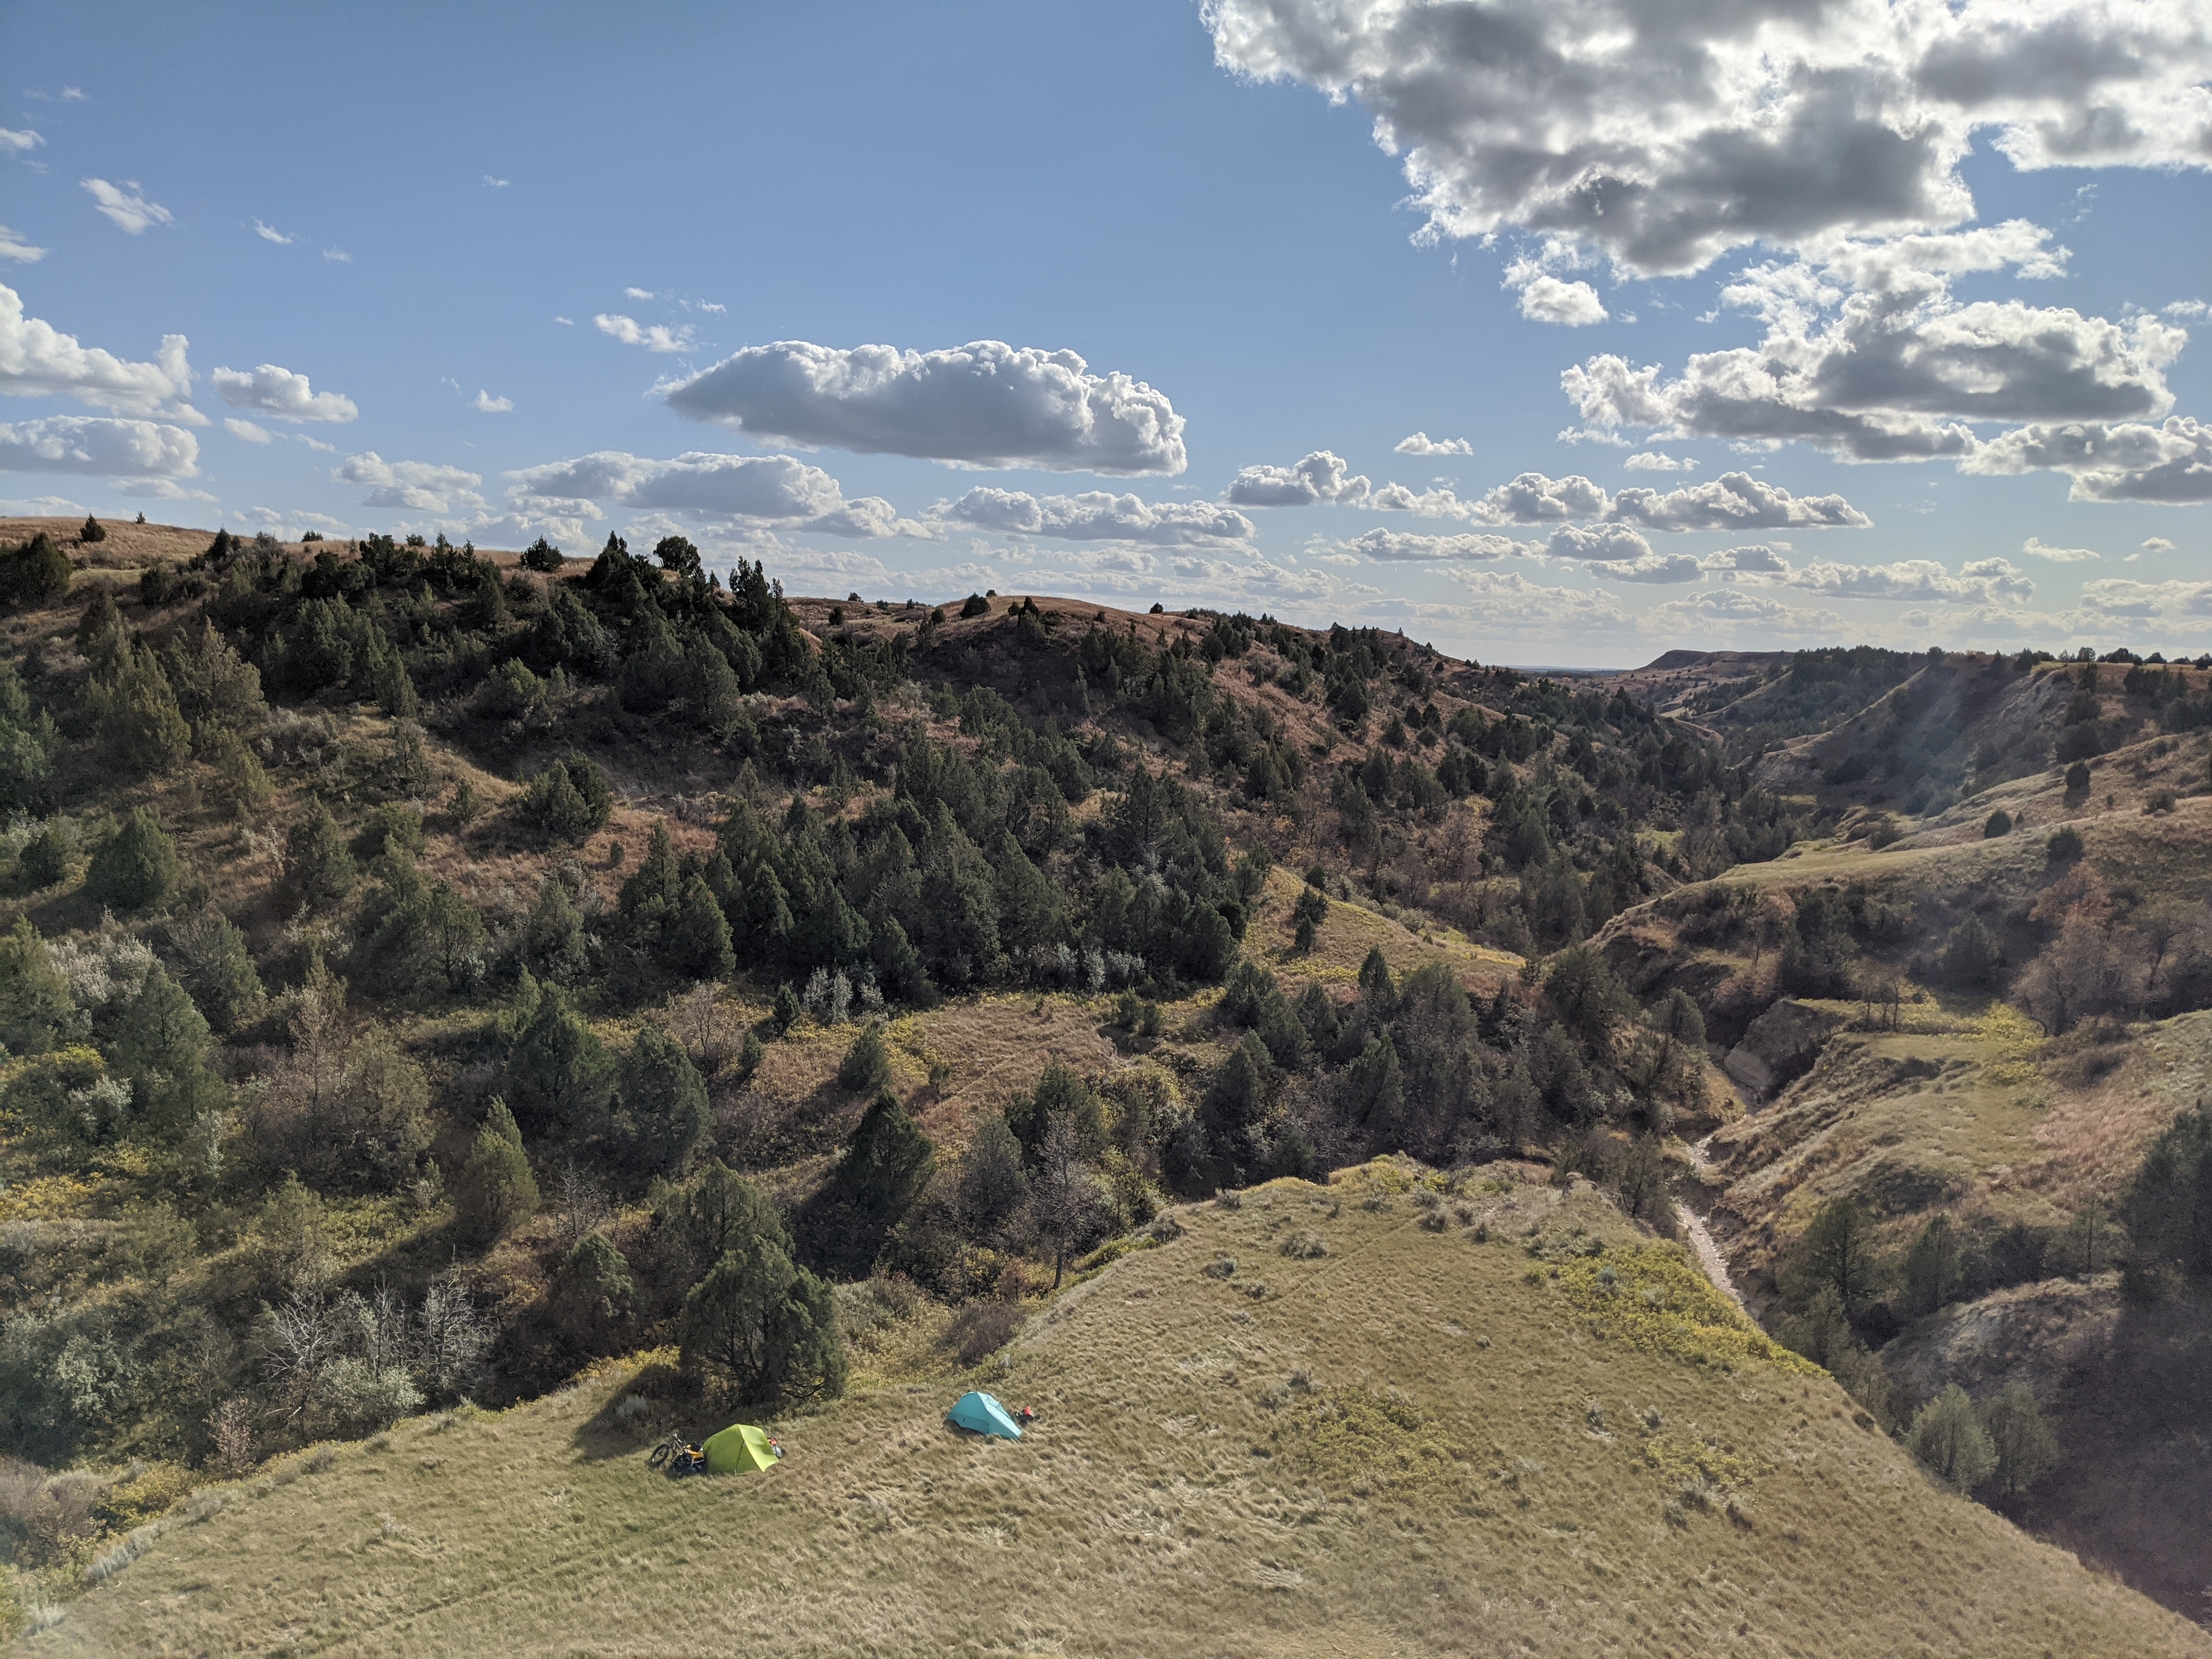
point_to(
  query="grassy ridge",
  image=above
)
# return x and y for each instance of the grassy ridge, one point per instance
(1422, 1440)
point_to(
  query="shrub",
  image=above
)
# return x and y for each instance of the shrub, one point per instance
(1304, 1247)
(974, 605)
(93, 530)
(542, 555)
(2064, 845)
(2077, 777)
(2000, 824)
(981, 1328)
(134, 868)
(2161, 802)
(1948, 1438)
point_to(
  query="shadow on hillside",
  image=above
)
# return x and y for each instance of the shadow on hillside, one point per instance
(2130, 1494)
(671, 1401)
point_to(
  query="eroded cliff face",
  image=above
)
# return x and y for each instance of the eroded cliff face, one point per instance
(1781, 1047)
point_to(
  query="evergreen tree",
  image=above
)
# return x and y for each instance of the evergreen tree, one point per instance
(593, 1295)
(553, 939)
(661, 1113)
(160, 1042)
(558, 1072)
(216, 690)
(138, 714)
(2168, 1206)
(1837, 1250)
(1375, 1092)
(48, 857)
(37, 573)
(1234, 1113)
(495, 1193)
(35, 1003)
(886, 1164)
(1933, 1266)
(93, 530)
(28, 741)
(318, 871)
(767, 1325)
(136, 866)
(866, 1067)
(569, 800)
(992, 1186)
(99, 636)
(697, 943)
(541, 555)
(217, 968)
(240, 782)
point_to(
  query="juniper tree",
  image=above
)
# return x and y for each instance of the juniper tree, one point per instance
(496, 1192)
(134, 867)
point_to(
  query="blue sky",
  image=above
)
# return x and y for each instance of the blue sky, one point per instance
(1992, 261)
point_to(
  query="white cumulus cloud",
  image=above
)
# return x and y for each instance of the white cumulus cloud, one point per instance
(1399, 547)
(95, 444)
(37, 360)
(13, 246)
(1658, 569)
(2034, 548)
(1609, 543)
(737, 490)
(1096, 515)
(1734, 500)
(2130, 461)
(1652, 460)
(1421, 444)
(1893, 370)
(656, 337)
(270, 389)
(984, 404)
(1664, 134)
(1320, 477)
(126, 205)
(246, 429)
(485, 404)
(1984, 580)
(415, 486)
(1548, 299)
(15, 141)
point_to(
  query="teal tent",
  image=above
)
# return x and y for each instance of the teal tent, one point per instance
(981, 1414)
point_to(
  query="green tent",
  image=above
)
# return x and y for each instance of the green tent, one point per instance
(981, 1414)
(738, 1450)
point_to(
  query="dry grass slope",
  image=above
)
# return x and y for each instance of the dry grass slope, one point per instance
(1496, 1421)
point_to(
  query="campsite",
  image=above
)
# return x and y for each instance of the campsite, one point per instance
(1427, 1439)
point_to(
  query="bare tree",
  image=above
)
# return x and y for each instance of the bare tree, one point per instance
(1065, 1206)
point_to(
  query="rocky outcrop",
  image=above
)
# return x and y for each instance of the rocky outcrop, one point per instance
(1780, 1048)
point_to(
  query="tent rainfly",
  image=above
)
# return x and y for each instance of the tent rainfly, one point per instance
(981, 1414)
(738, 1450)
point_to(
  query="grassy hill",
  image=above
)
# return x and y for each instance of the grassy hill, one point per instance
(1503, 1423)
(415, 960)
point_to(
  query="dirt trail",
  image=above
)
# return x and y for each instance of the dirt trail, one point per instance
(1701, 1241)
